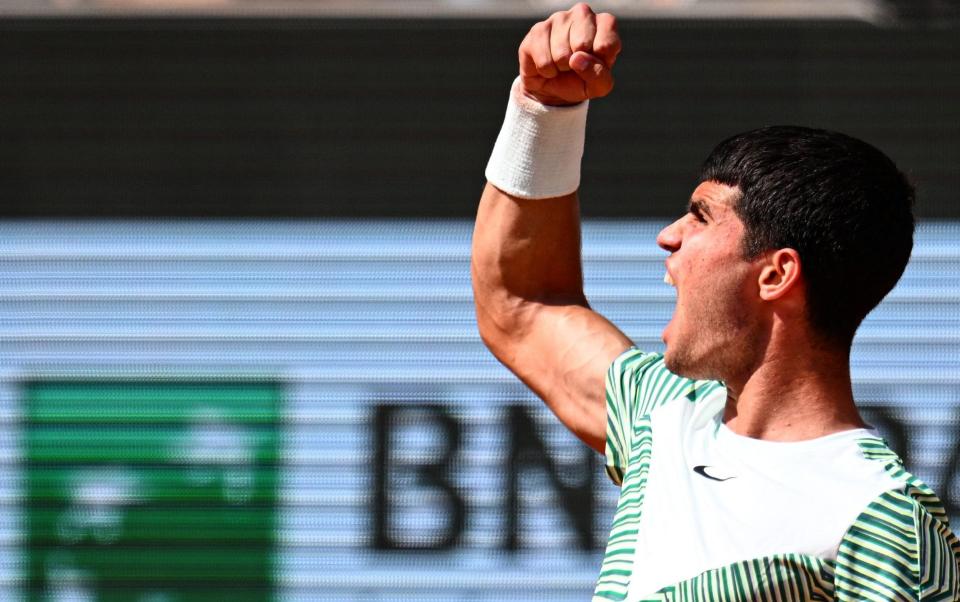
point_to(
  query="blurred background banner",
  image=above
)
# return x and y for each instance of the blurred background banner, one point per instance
(238, 356)
(200, 116)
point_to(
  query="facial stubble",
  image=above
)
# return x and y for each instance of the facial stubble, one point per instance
(717, 338)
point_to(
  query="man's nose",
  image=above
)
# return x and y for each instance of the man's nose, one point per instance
(670, 237)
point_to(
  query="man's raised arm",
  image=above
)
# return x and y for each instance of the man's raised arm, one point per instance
(527, 275)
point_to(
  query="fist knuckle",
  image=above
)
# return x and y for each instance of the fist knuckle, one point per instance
(545, 67)
(581, 9)
(606, 47)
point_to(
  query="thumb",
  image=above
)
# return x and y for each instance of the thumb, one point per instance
(595, 74)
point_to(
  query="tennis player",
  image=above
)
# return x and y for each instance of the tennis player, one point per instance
(746, 472)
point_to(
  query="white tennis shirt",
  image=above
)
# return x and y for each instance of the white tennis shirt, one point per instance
(707, 515)
(774, 498)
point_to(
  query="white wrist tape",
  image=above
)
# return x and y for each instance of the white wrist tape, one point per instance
(538, 151)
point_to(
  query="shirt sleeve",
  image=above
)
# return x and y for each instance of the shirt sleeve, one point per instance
(898, 550)
(637, 383)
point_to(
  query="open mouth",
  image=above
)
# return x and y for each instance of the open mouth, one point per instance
(668, 279)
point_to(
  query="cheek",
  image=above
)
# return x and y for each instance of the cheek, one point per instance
(713, 264)
(719, 285)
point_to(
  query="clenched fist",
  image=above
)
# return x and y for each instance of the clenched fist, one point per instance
(568, 58)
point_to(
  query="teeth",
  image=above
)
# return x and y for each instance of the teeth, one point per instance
(668, 279)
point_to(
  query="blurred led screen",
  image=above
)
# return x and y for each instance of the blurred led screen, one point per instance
(280, 410)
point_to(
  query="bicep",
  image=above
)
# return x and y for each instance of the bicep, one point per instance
(562, 352)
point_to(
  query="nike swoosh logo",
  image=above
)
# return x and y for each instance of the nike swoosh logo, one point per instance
(702, 471)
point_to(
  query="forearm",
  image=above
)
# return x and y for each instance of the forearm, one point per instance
(527, 238)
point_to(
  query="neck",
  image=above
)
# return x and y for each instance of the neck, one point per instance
(794, 396)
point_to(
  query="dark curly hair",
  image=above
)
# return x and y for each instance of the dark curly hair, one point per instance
(839, 202)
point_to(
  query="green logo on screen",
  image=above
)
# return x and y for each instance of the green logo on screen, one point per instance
(151, 490)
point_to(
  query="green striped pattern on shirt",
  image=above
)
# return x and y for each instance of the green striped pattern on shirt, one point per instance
(618, 560)
(874, 448)
(782, 577)
(897, 550)
(901, 546)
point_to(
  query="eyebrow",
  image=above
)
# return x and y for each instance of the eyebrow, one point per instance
(698, 207)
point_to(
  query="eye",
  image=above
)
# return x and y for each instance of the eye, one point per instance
(698, 215)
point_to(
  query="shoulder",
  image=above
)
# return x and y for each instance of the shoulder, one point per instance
(643, 381)
(908, 485)
(901, 545)
(637, 383)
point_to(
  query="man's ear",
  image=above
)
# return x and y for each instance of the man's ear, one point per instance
(779, 274)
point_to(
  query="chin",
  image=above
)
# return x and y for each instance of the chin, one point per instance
(674, 362)
(682, 363)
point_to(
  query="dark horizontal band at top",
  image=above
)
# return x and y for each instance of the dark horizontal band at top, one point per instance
(393, 118)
